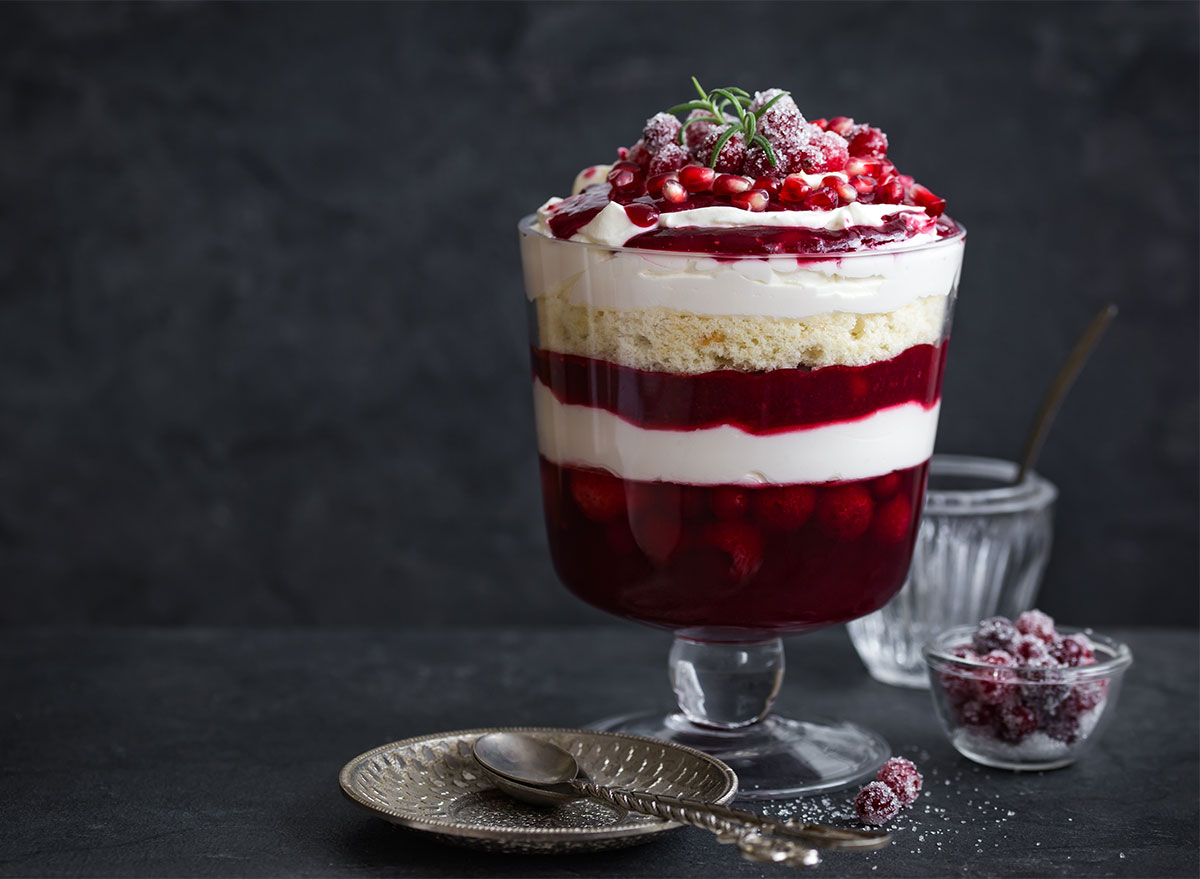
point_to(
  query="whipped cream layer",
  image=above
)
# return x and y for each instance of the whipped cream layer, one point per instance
(888, 439)
(783, 286)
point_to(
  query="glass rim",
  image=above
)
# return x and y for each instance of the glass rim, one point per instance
(936, 652)
(525, 226)
(1033, 493)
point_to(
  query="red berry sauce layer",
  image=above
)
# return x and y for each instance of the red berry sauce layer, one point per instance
(762, 560)
(756, 402)
(760, 155)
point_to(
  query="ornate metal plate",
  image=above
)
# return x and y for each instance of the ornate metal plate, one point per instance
(432, 783)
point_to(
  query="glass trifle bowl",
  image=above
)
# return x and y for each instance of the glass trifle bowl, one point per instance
(735, 412)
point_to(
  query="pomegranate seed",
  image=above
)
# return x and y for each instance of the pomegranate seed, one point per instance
(697, 178)
(622, 152)
(794, 188)
(728, 184)
(754, 200)
(642, 214)
(673, 191)
(840, 124)
(626, 165)
(823, 199)
(862, 185)
(886, 168)
(845, 190)
(857, 165)
(934, 206)
(654, 185)
(891, 191)
(624, 181)
(822, 123)
(770, 184)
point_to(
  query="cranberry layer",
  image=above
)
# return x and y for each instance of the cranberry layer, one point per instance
(732, 561)
(576, 212)
(756, 402)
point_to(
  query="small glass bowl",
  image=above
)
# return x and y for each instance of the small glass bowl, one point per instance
(1024, 718)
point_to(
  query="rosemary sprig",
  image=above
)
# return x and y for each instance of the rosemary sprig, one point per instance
(714, 104)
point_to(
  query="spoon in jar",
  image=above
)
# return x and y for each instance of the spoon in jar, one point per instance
(1067, 373)
(539, 772)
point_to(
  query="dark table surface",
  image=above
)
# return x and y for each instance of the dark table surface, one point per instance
(216, 752)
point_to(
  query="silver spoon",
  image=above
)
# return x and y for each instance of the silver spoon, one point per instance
(1063, 380)
(541, 773)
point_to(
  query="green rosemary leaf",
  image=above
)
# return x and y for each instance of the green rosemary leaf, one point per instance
(689, 106)
(703, 93)
(767, 106)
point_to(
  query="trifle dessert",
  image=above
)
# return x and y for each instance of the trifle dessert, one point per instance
(738, 336)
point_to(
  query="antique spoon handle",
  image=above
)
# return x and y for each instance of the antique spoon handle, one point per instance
(758, 837)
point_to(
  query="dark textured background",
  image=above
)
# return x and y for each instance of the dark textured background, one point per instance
(261, 324)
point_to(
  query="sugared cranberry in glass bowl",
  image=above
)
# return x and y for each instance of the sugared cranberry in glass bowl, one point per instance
(1037, 698)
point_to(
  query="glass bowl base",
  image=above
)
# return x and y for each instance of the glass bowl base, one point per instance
(776, 758)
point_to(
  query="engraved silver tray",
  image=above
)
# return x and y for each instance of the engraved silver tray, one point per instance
(433, 784)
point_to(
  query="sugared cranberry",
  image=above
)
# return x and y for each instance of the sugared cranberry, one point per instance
(826, 152)
(996, 687)
(1073, 651)
(643, 215)
(779, 122)
(1063, 726)
(844, 511)
(768, 184)
(1028, 648)
(877, 804)
(997, 633)
(976, 714)
(958, 687)
(1041, 688)
(794, 189)
(732, 151)
(1016, 722)
(934, 205)
(599, 495)
(741, 543)
(1088, 695)
(785, 507)
(730, 501)
(728, 184)
(840, 124)
(901, 775)
(695, 133)
(674, 191)
(754, 200)
(661, 129)
(758, 164)
(697, 178)
(1036, 623)
(892, 520)
(671, 157)
(890, 191)
(869, 142)
(821, 199)
(863, 185)
(639, 155)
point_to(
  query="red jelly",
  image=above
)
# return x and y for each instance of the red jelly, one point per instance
(684, 557)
